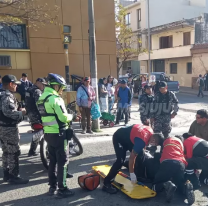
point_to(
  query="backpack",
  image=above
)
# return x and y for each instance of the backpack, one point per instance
(89, 182)
(201, 83)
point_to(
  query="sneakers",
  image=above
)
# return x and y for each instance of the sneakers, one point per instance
(170, 189)
(189, 192)
(51, 191)
(64, 193)
(90, 131)
(17, 181)
(109, 189)
(83, 132)
(68, 175)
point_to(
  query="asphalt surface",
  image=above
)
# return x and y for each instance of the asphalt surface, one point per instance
(97, 151)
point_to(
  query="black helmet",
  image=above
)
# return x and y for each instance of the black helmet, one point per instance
(54, 79)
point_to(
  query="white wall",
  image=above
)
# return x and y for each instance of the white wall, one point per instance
(167, 11)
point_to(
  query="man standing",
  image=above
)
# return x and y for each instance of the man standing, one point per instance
(199, 127)
(85, 96)
(134, 139)
(55, 120)
(10, 116)
(124, 98)
(200, 83)
(130, 84)
(145, 104)
(165, 109)
(25, 84)
(31, 97)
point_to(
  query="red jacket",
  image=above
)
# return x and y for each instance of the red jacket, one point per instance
(190, 144)
(141, 131)
(173, 150)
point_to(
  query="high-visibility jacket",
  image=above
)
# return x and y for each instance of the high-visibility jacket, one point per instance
(190, 144)
(53, 112)
(141, 131)
(173, 150)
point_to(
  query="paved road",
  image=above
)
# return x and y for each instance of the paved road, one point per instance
(97, 151)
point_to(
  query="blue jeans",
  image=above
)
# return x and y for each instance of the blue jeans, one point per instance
(111, 103)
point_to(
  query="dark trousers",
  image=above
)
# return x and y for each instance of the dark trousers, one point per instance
(86, 114)
(201, 91)
(57, 145)
(120, 112)
(170, 170)
(199, 163)
(120, 150)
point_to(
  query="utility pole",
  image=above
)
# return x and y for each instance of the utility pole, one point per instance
(149, 41)
(93, 55)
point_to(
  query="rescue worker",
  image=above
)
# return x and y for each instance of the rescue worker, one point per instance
(165, 108)
(10, 116)
(196, 152)
(55, 120)
(171, 173)
(134, 139)
(31, 97)
(145, 105)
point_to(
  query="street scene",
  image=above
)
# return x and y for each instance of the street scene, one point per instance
(98, 150)
(104, 102)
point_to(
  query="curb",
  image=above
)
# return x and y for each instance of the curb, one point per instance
(187, 92)
(93, 135)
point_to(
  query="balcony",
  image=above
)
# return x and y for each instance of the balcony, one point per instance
(175, 52)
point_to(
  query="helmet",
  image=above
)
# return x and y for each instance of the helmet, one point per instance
(53, 79)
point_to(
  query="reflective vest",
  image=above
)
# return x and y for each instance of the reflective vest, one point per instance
(53, 112)
(141, 131)
(173, 150)
(190, 144)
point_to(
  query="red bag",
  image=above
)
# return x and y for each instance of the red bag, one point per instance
(89, 182)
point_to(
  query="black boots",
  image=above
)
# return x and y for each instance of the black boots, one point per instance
(109, 189)
(170, 189)
(6, 175)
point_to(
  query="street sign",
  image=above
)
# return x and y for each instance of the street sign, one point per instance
(67, 39)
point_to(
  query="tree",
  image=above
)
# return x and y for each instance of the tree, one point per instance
(128, 43)
(33, 12)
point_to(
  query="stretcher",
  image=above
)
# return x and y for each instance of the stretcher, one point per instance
(123, 183)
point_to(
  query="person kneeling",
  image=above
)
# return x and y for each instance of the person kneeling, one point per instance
(133, 138)
(171, 173)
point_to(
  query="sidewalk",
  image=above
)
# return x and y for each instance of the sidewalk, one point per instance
(189, 90)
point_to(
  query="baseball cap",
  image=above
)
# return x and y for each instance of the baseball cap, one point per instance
(123, 81)
(147, 86)
(10, 78)
(24, 74)
(86, 79)
(42, 80)
(162, 84)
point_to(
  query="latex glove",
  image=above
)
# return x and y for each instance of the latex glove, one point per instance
(133, 178)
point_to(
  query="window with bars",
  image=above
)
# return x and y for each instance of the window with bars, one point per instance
(189, 68)
(166, 42)
(13, 37)
(5, 61)
(173, 68)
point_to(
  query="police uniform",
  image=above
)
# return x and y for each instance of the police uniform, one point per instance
(55, 120)
(31, 97)
(164, 106)
(9, 133)
(145, 105)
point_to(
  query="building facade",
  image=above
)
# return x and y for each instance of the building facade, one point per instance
(40, 52)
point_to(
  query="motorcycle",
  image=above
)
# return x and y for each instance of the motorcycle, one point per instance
(74, 146)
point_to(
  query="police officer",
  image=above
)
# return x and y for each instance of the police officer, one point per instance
(55, 120)
(165, 109)
(31, 97)
(134, 139)
(10, 116)
(145, 104)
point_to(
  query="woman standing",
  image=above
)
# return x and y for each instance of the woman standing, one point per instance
(103, 96)
(111, 94)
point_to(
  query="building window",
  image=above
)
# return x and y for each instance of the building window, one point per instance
(189, 68)
(13, 37)
(128, 19)
(173, 68)
(187, 38)
(138, 18)
(166, 42)
(5, 61)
